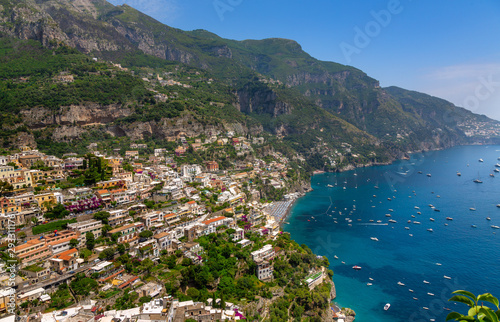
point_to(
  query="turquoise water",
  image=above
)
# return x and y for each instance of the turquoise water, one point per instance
(468, 255)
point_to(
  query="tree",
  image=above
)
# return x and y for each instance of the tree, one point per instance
(102, 216)
(121, 249)
(5, 188)
(73, 243)
(90, 243)
(83, 285)
(22, 235)
(146, 265)
(477, 312)
(146, 234)
(107, 254)
(58, 212)
(193, 293)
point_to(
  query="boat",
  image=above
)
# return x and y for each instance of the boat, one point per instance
(481, 160)
(430, 229)
(387, 306)
(391, 210)
(473, 226)
(392, 220)
(435, 209)
(449, 218)
(431, 219)
(429, 175)
(419, 213)
(447, 277)
(426, 282)
(416, 207)
(401, 284)
(369, 284)
(439, 264)
(412, 216)
(488, 218)
(472, 209)
(496, 170)
(379, 221)
(459, 174)
(411, 235)
(410, 290)
(430, 205)
(371, 279)
(407, 228)
(374, 238)
(416, 299)
(329, 185)
(496, 227)
(420, 172)
(343, 262)
(498, 205)
(389, 199)
(388, 215)
(416, 222)
(336, 257)
(356, 267)
(497, 165)
(430, 294)
(477, 181)
(425, 308)
(376, 187)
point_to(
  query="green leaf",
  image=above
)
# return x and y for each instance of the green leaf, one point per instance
(487, 297)
(492, 317)
(466, 293)
(462, 299)
(453, 316)
(473, 311)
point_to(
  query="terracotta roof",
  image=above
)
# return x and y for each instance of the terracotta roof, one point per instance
(208, 222)
(67, 253)
(170, 215)
(29, 243)
(191, 202)
(161, 235)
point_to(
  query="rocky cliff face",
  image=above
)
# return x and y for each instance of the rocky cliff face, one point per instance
(261, 101)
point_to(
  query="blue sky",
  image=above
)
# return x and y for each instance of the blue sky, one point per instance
(447, 48)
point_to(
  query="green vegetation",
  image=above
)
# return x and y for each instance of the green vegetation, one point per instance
(33, 268)
(58, 212)
(55, 225)
(478, 310)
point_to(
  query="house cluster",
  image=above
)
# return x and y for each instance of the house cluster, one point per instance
(196, 200)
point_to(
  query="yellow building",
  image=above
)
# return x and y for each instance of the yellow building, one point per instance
(45, 199)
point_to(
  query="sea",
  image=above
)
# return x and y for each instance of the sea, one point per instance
(346, 218)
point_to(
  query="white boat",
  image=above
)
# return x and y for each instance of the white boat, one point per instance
(447, 277)
(488, 218)
(429, 175)
(369, 284)
(481, 160)
(417, 207)
(496, 227)
(410, 290)
(411, 235)
(472, 209)
(425, 282)
(401, 284)
(329, 185)
(388, 215)
(371, 279)
(336, 257)
(431, 219)
(430, 294)
(392, 220)
(439, 264)
(430, 229)
(497, 165)
(374, 238)
(496, 170)
(416, 222)
(387, 306)
(407, 228)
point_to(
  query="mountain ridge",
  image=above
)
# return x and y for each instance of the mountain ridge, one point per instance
(272, 80)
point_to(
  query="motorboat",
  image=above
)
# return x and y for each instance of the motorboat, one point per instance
(481, 160)
(387, 306)
(392, 220)
(426, 282)
(356, 267)
(430, 229)
(496, 227)
(431, 219)
(435, 209)
(488, 218)
(449, 218)
(374, 238)
(416, 222)
(429, 175)
(447, 277)
(477, 181)
(472, 209)
(401, 284)
(459, 174)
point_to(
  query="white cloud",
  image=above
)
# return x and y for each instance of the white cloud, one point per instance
(473, 86)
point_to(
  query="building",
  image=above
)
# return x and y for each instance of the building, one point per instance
(118, 217)
(212, 166)
(28, 161)
(65, 261)
(31, 252)
(265, 253)
(36, 274)
(83, 227)
(314, 279)
(214, 223)
(128, 234)
(60, 241)
(264, 270)
(132, 154)
(188, 170)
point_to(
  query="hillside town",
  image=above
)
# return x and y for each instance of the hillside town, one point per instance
(92, 236)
